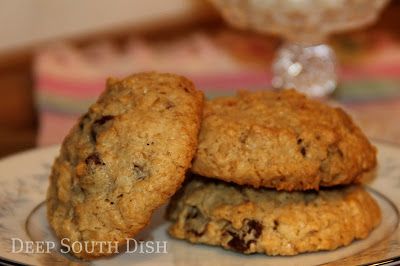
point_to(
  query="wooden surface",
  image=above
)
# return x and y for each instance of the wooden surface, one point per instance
(18, 124)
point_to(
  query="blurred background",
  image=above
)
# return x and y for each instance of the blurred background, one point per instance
(55, 56)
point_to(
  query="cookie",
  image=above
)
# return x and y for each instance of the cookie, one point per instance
(281, 140)
(124, 158)
(249, 220)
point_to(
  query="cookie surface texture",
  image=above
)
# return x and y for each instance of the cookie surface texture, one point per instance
(124, 158)
(249, 220)
(281, 140)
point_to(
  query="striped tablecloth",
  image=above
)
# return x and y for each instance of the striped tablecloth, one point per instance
(68, 79)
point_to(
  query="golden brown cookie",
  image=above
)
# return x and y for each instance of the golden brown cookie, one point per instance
(127, 155)
(281, 140)
(249, 220)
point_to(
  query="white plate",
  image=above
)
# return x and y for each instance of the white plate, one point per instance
(23, 185)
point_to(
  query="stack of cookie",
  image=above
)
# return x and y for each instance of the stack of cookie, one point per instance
(130, 152)
(276, 173)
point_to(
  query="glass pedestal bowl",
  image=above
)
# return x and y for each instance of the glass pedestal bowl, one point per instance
(304, 61)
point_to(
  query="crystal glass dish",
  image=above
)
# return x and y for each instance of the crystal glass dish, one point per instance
(304, 61)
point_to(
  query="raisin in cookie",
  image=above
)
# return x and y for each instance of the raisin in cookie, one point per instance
(127, 155)
(281, 140)
(249, 220)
